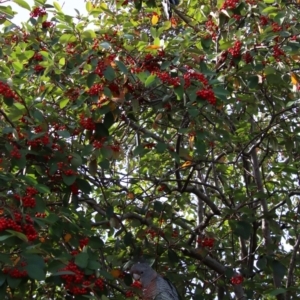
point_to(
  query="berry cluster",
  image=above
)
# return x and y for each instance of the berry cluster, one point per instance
(97, 144)
(235, 51)
(247, 57)
(19, 224)
(191, 74)
(16, 272)
(237, 279)
(206, 242)
(79, 283)
(154, 233)
(151, 63)
(37, 56)
(73, 93)
(70, 48)
(175, 234)
(208, 95)
(277, 52)
(161, 188)
(83, 242)
(96, 89)
(129, 294)
(276, 27)
(6, 91)
(87, 123)
(167, 79)
(149, 145)
(15, 153)
(47, 24)
(264, 20)
(40, 215)
(211, 25)
(102, 64)
(39, 69)
(136, 284)
(114, 88)
(74, 189)
(38, 12)
(231, 4)
(44, 140)
(28, 200)
(69, 172)
(115, 148)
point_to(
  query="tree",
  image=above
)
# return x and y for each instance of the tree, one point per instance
(126, 135)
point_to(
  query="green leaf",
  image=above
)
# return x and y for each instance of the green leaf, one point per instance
(13, 283)
(96, 242)
(150, 80)
(279, 269)
(261, 263)
(57, 6)
(23, 4)
(101, 131)
(40, 205)
(63, 133)
(4, 237)
(106, 275)
(63, 273)
(173, 256)
(158, 206)
(277, 292)
(64, 103)
(109, 211)
(81, 260)
(121, 67)
(18, 67)
(76, 160)
(68, 180)
(252, 82)
(109, 73)
(34, 272)
(17, 234)
(42, 188)
(88, 6)
(83, 185)
(2, 278)
(109, 120)
(91, 79)
(242, 229)
(128, 239)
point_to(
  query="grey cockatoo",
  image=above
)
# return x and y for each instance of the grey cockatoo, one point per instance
(154, 286)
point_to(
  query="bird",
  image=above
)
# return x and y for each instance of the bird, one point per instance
(154, 286)
(166, 4)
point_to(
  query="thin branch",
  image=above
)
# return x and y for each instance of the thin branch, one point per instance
(291, 268)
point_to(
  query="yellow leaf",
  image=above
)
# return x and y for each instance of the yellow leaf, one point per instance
(191, 141)
(154, 19)
(67, 237)
(93, 166)
(174, 22)
(153, 47)
(130, 195)
(295, 57)
(294, 79)
(158, 117)
(116, 273)
(186, 164)
(15, 261)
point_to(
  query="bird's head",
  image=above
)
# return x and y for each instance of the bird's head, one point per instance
(142, 272)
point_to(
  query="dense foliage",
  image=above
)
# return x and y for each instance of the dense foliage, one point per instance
(126, 135)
